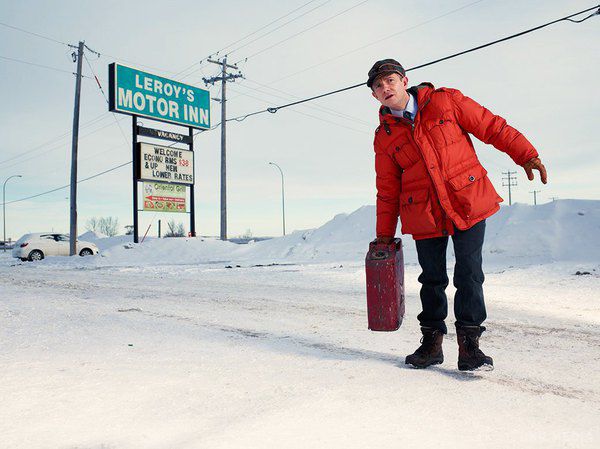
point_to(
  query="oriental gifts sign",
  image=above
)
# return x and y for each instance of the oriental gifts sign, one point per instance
(159, 197)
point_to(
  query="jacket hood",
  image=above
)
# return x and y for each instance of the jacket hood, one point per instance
(421, 92)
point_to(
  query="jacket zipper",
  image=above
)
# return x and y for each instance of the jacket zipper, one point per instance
(412, 135)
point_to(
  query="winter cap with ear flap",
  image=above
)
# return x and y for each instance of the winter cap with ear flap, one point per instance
(382, 67)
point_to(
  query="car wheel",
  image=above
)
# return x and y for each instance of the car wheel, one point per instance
(36, 254)
(86, 252)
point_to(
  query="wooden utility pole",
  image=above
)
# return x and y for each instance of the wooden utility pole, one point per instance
(73, 217)
(223, 100)
(535, 192)
(510, 182)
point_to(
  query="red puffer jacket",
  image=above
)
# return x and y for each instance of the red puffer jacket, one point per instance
(428, 172)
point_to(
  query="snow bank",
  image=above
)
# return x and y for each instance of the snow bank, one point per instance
(92, 236)
(519, 235)
(564, 230)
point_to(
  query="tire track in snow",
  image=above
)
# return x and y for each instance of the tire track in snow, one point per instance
(524, 384)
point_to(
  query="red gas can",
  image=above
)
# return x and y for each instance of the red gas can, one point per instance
(385, 285)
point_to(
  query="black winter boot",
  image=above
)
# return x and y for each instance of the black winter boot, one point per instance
(470, 357)
(430, 351)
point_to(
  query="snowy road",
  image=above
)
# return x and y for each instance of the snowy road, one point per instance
(270, 357)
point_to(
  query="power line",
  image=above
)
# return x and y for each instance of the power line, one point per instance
(310, 115)
(95, 120)
(512, 36)
(406, 30)
(303, 31)
(328, 111)
(35, 64)
(322, 108)
(585, 18)
(128, 61)
(267, 25)
(137, 64)
(49, 150)
(51, 39)
(69, 185)
(277, 108)
(105, 97)
(279, 27)
(48, 38)
(205, 59)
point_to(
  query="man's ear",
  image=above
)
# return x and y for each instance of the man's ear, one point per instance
(405, 80)
(374, 96)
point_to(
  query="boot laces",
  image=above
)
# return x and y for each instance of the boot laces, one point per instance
(427, 342)
(471, 343)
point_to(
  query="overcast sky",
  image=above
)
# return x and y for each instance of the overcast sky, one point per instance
(545, 84)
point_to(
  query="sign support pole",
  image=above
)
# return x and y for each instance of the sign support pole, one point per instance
(192, 201)
(135, 178)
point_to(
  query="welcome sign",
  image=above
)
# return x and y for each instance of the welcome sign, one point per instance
(159, 163)
(134, 92)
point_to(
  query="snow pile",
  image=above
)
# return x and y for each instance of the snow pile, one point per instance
(520, 235)
(345, 237)
(102, 241)
(564, 230)
(92, 236)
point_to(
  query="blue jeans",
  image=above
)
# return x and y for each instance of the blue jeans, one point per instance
(469, 306)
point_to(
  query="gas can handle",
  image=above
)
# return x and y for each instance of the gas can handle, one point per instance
(379, 254)
(395, 244)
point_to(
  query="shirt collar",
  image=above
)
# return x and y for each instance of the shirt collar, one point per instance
(411, 107)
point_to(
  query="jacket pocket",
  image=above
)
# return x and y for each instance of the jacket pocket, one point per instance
(415, 212)
(405, 155)
(443, 132)
(473, 192)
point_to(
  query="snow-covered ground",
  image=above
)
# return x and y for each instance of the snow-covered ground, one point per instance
(159, 345)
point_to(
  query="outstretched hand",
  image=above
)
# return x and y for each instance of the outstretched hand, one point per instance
(535, 164)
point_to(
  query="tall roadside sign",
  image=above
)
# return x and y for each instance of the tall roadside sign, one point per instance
(170, 169)
(138, 93)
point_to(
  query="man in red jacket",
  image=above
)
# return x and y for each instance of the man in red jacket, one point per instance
(428, 174)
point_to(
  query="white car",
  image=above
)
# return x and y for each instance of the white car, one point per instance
(41, 244)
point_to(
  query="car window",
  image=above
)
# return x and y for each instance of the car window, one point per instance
(22, 239)
(62, 238)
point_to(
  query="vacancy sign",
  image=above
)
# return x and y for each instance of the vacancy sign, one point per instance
(134, 92)
(166, 164)
(159, 197)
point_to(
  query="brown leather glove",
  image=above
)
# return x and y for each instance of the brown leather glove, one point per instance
(535, 164)
(385, 240)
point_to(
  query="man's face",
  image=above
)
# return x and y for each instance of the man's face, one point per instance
(390, 90)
